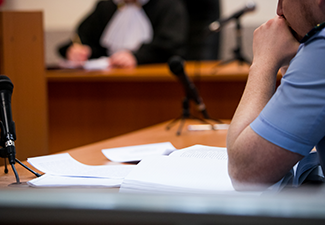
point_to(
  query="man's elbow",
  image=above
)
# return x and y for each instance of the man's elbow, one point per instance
(243, 181)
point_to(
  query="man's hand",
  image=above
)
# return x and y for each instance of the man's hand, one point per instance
(274, 44)
(123, 59)
(78, 53)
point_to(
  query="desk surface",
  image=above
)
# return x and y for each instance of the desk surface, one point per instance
(207, 70)
(91, 154)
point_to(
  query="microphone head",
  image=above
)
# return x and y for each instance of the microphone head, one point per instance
(176, 65)
(250, 6)
(6, 84)
(215, 26)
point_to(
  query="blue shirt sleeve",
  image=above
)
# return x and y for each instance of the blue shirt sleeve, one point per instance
(294, 118)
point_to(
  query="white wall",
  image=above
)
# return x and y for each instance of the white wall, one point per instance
(58, 14)
(265, 10)
(65, 14)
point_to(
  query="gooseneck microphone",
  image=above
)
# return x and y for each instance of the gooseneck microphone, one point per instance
(8, 131)
(217, 25)
(176, 66)
(8, 134)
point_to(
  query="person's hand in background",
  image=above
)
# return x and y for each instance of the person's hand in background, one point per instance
(78, 53)
(123, 59)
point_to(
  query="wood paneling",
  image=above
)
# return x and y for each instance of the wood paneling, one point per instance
(89, 106)
(22, 60)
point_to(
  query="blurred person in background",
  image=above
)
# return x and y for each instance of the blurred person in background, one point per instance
(130, 33)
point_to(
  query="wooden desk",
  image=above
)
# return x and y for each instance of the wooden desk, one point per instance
(102, 205)
(205, 70)
(92, 155)
(89, 106)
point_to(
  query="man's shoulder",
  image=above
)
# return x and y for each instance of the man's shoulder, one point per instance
(317, 36)
(322, 33)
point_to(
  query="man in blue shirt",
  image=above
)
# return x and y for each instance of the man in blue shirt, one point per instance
(274, 129)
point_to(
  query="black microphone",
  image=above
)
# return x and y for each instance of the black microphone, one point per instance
(217, 25)
(8, 134)
(176, 66)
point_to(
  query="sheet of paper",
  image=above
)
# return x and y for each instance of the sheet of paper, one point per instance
(65, 165)
(101, 63)
(179, 175)
(202, 152)
(138, 152)
(48, 180)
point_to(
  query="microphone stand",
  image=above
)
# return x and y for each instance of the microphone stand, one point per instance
(186, 114)
(238, 56)
(5, 151)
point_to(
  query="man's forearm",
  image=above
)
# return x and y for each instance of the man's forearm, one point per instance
(251, 158)
(259, 89)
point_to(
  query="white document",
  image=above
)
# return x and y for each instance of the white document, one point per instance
(101, 63)
(48, 180)
(65, 165)
(163, 174)
(197, 169)
(138, 152)
(202, 152)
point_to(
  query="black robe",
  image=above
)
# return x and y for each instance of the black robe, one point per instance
(169, 19)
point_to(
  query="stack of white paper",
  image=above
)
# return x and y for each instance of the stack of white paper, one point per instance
(63, 170)
(197, 169)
